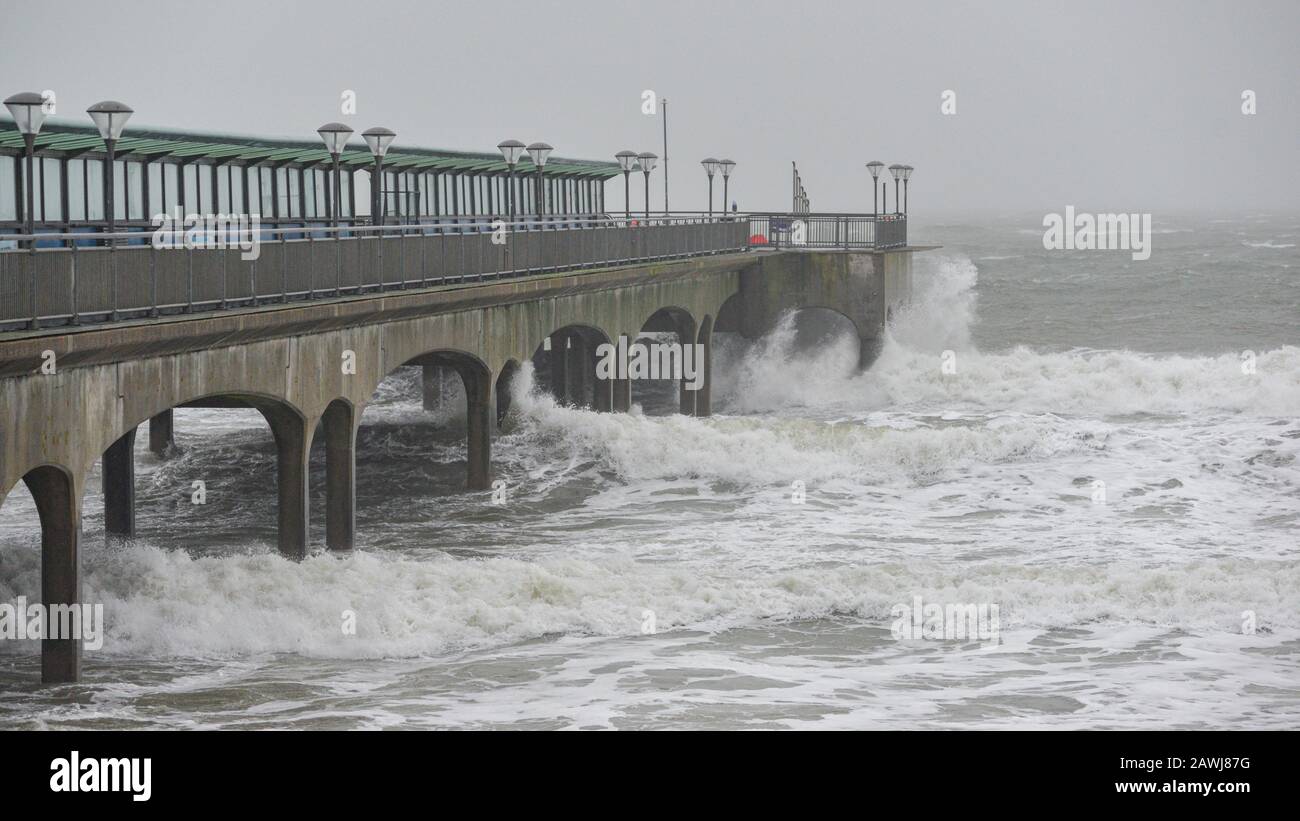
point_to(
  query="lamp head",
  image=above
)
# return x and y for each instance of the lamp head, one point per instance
(110, 118)
(28, 110)
(378, 138)
(335, 136)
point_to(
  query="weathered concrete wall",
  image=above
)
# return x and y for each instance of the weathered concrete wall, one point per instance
(865, 288)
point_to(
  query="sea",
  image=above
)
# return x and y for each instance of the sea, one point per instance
(1098, 453)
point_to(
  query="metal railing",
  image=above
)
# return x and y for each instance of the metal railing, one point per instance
(139, 276)
(42, 287)
(820, 232)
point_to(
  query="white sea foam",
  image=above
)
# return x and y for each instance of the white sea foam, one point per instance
(167, 603)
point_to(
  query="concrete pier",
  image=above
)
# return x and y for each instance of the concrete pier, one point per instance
(57, 498)
(118, 477)
(162, 433)
(311, 368)
(340, 430)
(621, 395)
(704, 395)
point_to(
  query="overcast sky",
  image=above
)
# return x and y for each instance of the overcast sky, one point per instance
(1108, 106)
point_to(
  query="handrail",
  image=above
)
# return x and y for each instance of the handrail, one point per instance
(453, 224)
(216, 266)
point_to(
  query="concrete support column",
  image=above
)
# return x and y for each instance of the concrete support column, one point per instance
(340, 477)
(687, 397)
(602, 396)
(162, 433)
(704, 396)
(502, 397)
(434, 386)
(621, 395)
(559, 367)
(479, 416)
(58, 503)
(293, 452)
(686, 334)
(119, 486)
(869, 350)
(580, 371)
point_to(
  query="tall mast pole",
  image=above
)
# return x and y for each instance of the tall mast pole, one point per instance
(665, 109)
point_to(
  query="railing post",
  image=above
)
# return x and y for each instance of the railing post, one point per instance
(225, 283)
(311, 265)
(401, 258)
(112, 259)
(35, 322)
(284, 269)
(153, 282)
(76, 309)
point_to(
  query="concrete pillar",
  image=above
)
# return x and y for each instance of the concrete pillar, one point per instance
(686, 334)
(869, 350)
(340, 477)
(293, 451)
(478, 425)
(162, 433)
(602, 395)
(559, 367)
(580, 370)
(704, 396)
(501, 396)
(621, 395)
(687, 398)
(434, 386)
(119, 486)
(58, 504)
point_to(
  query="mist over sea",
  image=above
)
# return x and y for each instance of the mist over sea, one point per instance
(977, 486)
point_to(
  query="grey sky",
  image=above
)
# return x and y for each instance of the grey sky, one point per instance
(1109, 106)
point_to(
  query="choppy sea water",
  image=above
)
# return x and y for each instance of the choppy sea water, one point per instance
(1073, 373)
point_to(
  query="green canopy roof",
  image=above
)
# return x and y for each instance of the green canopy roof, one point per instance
(74, 137)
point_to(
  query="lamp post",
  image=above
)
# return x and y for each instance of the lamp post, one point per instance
(110, 118)
(378, 138)
(896, 171)
(511, 151)
(726, 166)
(647, 160)
(540, 152)
(28, 110)
(711, 167)
(627, 162)
(907, 173)
(874, 167)
(335, 136)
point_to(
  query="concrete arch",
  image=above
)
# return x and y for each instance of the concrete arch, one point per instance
(476, 377)
(565, 363)
(671, 318)
(868, 345)
(142, 412)
(291, 431)
(730, 314)
(680, 321)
